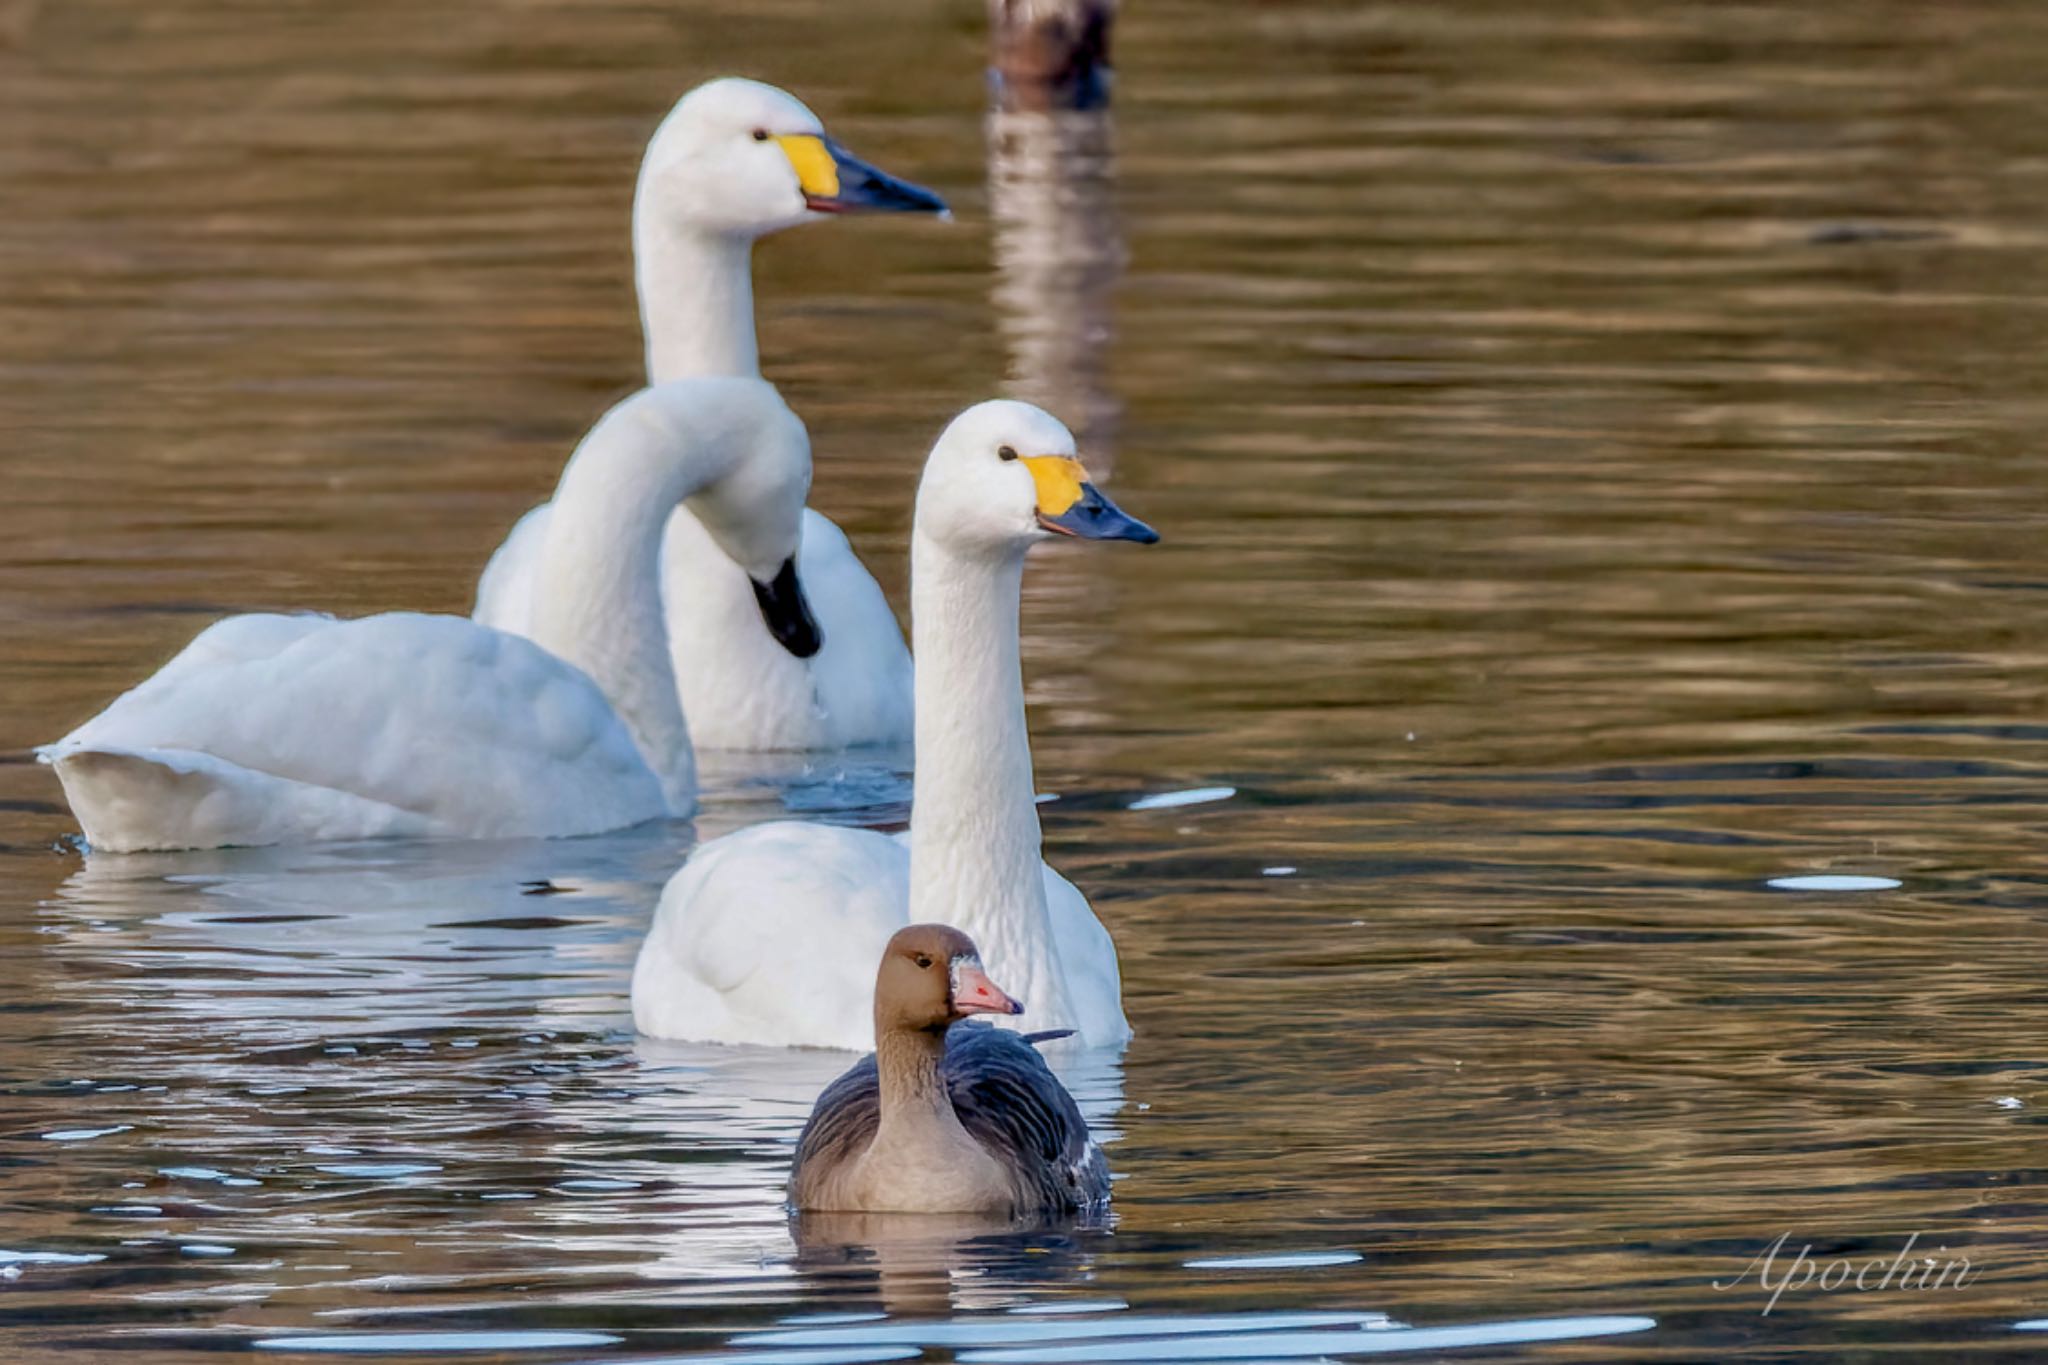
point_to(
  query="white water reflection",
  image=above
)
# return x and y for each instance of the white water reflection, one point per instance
(433, 1343)
(1366, 1339)
(1834, 882)
(290, 1039)
(1089, 1340)
(1192, 796)
(1284, 1260)
(330, 942)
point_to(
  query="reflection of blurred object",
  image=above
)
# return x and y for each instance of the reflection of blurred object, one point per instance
(943, 1263)
(1059, 258)
(17, 17)
(1051, 54)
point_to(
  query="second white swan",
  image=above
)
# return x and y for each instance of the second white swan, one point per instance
(284, 729)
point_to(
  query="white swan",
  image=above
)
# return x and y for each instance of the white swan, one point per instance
(735, 161)
(769, 935)
(276, 729)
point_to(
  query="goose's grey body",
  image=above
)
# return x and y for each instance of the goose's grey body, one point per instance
(1027, 1147)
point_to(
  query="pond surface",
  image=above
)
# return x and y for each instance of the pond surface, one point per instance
(1598, 450)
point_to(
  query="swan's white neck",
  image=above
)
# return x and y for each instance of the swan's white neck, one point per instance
(599, 600)
(974, 841)
(696, 300)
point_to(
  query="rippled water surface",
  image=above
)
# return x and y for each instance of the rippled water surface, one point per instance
(1598, 452)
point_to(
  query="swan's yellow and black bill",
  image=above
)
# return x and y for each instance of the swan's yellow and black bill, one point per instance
(834, 180)
(787, 612)
(1072, 506)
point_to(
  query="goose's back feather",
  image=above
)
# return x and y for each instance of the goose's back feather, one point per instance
(1004, 1095)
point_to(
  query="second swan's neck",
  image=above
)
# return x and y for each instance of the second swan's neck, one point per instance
(974, 843)
(696, 301)
(599, 604)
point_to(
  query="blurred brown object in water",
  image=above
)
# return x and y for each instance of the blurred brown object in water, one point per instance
(1051, 54)
(17, 17)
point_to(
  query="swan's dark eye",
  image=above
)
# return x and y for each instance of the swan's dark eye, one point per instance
(760, 135)
(1007, 453)
(923, 961)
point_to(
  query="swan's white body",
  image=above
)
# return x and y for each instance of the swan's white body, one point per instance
(755, 938)
(286, 729)
(696, 214)
(277, 729)
(737, 684)
(768, 935)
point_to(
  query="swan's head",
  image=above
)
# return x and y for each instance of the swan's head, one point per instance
(742, 159)
(754, 509)
(931, 976)
(1006, 474)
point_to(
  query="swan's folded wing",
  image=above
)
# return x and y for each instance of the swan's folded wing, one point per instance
(770, 935)
(1088, 956)
(248, 639)
(505, 592)
(1009, 1100)
(129, 800)
(467, 730)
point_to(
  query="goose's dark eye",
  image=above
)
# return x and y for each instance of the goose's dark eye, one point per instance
(923, 961)
(1007, 453)
(760, 135)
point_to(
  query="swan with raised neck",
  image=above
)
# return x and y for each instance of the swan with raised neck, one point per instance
(735, 161)
(810, 899)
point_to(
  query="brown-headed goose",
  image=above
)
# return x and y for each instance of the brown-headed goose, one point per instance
(941, 1119)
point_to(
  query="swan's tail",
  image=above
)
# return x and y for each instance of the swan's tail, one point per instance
(128, 800)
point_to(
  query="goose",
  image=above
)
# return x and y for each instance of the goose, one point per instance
(286, 729)
(939, 1119)
(763, 935)
(735, 161)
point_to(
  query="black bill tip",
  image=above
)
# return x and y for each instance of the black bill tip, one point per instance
(787, 613)
(1095, 517)
(869, 189)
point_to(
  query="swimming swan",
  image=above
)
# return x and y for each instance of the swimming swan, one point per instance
(769, 935)
(734, 161)
(280, 729)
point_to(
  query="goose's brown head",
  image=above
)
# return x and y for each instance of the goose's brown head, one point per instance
(931, 976)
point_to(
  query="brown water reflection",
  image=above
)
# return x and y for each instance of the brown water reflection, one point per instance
(1595, 447)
